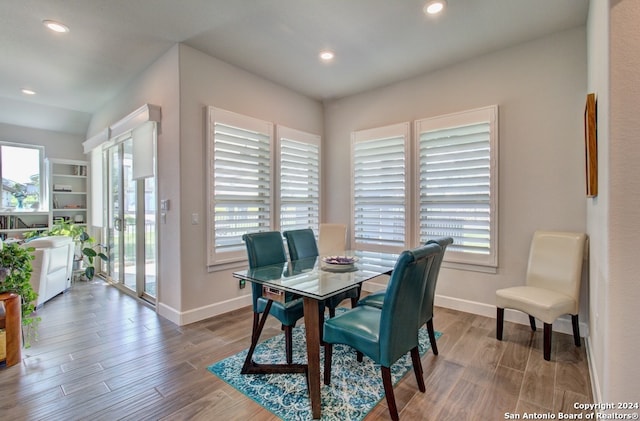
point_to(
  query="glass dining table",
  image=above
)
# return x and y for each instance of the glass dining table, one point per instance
(314, 281)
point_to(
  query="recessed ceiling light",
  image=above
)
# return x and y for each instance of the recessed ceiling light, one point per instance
(28, 91)
(55, 26)
(327, 55)
(434, 7)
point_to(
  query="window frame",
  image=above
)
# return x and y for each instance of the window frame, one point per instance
(43, 181)
(298, 136)
(223, 260)
(402, 130)
(453, 257)
(228, 118)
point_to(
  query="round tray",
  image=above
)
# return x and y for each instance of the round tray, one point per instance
(339, 263)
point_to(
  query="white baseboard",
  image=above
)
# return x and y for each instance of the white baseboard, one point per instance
(562, 324)
(205, 312)
(593, 373)
(169, 313)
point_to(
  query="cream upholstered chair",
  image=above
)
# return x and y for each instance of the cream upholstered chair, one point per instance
(52, 266)
(552, 285)
(332, 239)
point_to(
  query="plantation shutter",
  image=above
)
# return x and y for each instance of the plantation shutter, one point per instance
(240, 182)
(457, 188)
(299, 180)
(379, 188)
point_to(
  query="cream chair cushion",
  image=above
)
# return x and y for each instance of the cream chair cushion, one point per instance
(543, 304)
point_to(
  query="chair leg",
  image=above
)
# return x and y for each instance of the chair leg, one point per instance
(256, 321)
(288, 343)
(388, 392)
(499, 323)
(576, 329)
(547, 341)
(321, 324)
(359, 356)
(432, 336)
(532, 323)
(417, 368)
(328, 351)
(354, 302)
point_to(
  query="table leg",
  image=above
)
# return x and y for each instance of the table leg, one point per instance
(251, 367)
(312, 328)
(255, 335)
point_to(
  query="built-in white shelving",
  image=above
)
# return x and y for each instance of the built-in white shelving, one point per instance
(67, 199)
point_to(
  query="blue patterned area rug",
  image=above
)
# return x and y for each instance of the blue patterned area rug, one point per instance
(354, 390)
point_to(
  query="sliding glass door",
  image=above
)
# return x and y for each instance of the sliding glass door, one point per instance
(131, 227)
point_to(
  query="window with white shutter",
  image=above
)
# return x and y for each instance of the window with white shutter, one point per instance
(457, 182)
(299, 179)
(379, 172)
(240, 182)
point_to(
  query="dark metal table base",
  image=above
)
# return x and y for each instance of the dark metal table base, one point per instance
(251, 367)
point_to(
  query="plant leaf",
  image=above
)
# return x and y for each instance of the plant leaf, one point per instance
(89, 252)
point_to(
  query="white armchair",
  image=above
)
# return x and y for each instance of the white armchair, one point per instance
(52, 266)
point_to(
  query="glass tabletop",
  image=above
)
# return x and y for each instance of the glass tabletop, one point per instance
(312, 277)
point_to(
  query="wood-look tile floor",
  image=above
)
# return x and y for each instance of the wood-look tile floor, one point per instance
(101, 355)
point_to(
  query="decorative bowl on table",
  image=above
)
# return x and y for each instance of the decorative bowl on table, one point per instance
(339, 263)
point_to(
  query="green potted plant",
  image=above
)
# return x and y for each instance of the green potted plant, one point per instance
(15, 276)
(90, 251)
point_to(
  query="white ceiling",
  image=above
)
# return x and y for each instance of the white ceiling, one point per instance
(377, 42)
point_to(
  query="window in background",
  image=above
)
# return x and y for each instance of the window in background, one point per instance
(458, 173)
(239, 182)
(299, 179)
(21, 167)
(380, 206)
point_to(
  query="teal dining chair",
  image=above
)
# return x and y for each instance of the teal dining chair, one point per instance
(302, 244)
(266, 248)
(426, 314)
(388, 333)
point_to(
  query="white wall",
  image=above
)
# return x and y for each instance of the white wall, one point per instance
(540, 90)
(56, 144)
(614, 216)
(206, 81)
(597, 208)
(623, 335)
(183, 82)
(158, 85)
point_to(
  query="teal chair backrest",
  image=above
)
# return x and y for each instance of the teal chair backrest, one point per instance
(301, 243)
(430, 289)
(400, 318)
(263, 248)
